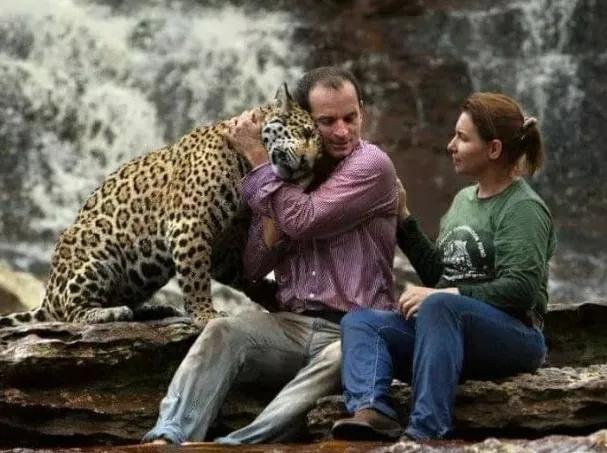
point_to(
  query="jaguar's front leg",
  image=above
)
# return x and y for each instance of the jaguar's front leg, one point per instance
(192, 257)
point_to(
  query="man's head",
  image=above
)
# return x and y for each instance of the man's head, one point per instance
(332, 95)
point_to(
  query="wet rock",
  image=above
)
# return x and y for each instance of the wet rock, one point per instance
(569, 392)
(64, 385)
(19, 291)
(596, 442)
(550, 400)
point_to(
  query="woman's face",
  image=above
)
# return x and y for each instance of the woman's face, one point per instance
(469, 152)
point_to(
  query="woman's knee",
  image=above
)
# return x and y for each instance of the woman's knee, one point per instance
(439, 305)
(352, 319)
(364, 319)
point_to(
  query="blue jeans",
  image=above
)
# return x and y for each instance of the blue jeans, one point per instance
(452, 338)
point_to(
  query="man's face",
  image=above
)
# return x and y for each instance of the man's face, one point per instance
(338, 117)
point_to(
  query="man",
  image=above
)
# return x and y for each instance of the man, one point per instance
(331, 248)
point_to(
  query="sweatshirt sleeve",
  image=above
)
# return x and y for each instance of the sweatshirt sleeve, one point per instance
(420, 251)
(522, 251)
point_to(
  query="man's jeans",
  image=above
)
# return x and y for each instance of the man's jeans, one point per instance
(452, 338)
(297, 353)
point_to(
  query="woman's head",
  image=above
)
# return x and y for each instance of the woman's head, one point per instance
(492, 130)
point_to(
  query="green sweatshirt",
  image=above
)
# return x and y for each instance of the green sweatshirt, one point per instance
(495, 249)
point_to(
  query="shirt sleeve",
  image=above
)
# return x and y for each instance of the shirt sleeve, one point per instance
(522, 250)
(420, 251)
(361, 187)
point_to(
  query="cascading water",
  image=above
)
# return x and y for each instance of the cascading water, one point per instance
(527, 49)
(86, 88)
(521, 49)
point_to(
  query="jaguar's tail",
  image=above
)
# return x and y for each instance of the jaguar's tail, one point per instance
(27, 317)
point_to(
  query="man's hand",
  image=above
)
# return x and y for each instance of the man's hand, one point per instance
(244, 137)
(271, 234)
(403, 210)
(414, 296)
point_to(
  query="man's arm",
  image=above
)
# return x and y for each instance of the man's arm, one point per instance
(363, 186)
(266, 246)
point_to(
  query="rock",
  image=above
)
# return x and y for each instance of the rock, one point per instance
(576, 334)
(555, 444)
(64, 384)
(596, 442)
(19, 291)
(568, 392)
(553, 399)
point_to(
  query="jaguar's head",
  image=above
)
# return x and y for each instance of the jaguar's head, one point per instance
(290, 136)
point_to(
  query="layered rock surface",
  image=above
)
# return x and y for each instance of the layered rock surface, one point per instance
(66, 385)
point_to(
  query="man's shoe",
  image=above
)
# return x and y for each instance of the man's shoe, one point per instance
(367, 424)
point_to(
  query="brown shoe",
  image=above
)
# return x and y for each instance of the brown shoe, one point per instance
(367, 424)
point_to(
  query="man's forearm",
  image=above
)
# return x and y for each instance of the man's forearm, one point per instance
(271, 234)
(260, 258)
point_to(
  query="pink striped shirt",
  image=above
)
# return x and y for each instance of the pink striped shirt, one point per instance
(337, 245)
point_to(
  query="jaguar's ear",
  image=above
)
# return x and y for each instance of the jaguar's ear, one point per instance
(283, 99)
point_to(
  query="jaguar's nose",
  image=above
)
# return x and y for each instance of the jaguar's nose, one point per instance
(279, 156)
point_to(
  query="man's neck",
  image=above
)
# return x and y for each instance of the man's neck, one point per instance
(322, 169)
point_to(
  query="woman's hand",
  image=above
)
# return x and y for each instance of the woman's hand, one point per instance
(244, 137)
(403, 210)
(414, 296)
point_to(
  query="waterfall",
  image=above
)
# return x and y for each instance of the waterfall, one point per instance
(521, 49)
(86, 88)
(526, 49)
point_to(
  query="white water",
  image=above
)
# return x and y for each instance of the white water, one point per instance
(126, 84)
(521, 49)
(526, 61)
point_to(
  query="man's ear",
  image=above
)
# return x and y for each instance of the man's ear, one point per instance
(495, 149)
(283, 99)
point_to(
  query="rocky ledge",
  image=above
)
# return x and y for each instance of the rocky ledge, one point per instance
(64, 385)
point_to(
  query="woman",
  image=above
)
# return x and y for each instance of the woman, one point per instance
(480, 312)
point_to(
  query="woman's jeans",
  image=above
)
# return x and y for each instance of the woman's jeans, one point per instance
(299, 354)
(452, 338)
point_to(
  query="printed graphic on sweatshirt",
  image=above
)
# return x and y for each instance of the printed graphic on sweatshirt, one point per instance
(466, 256)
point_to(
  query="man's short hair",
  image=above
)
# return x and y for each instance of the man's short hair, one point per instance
(327, 76)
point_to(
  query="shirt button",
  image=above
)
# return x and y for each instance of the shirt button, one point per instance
(313, 273)
(312, 295)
